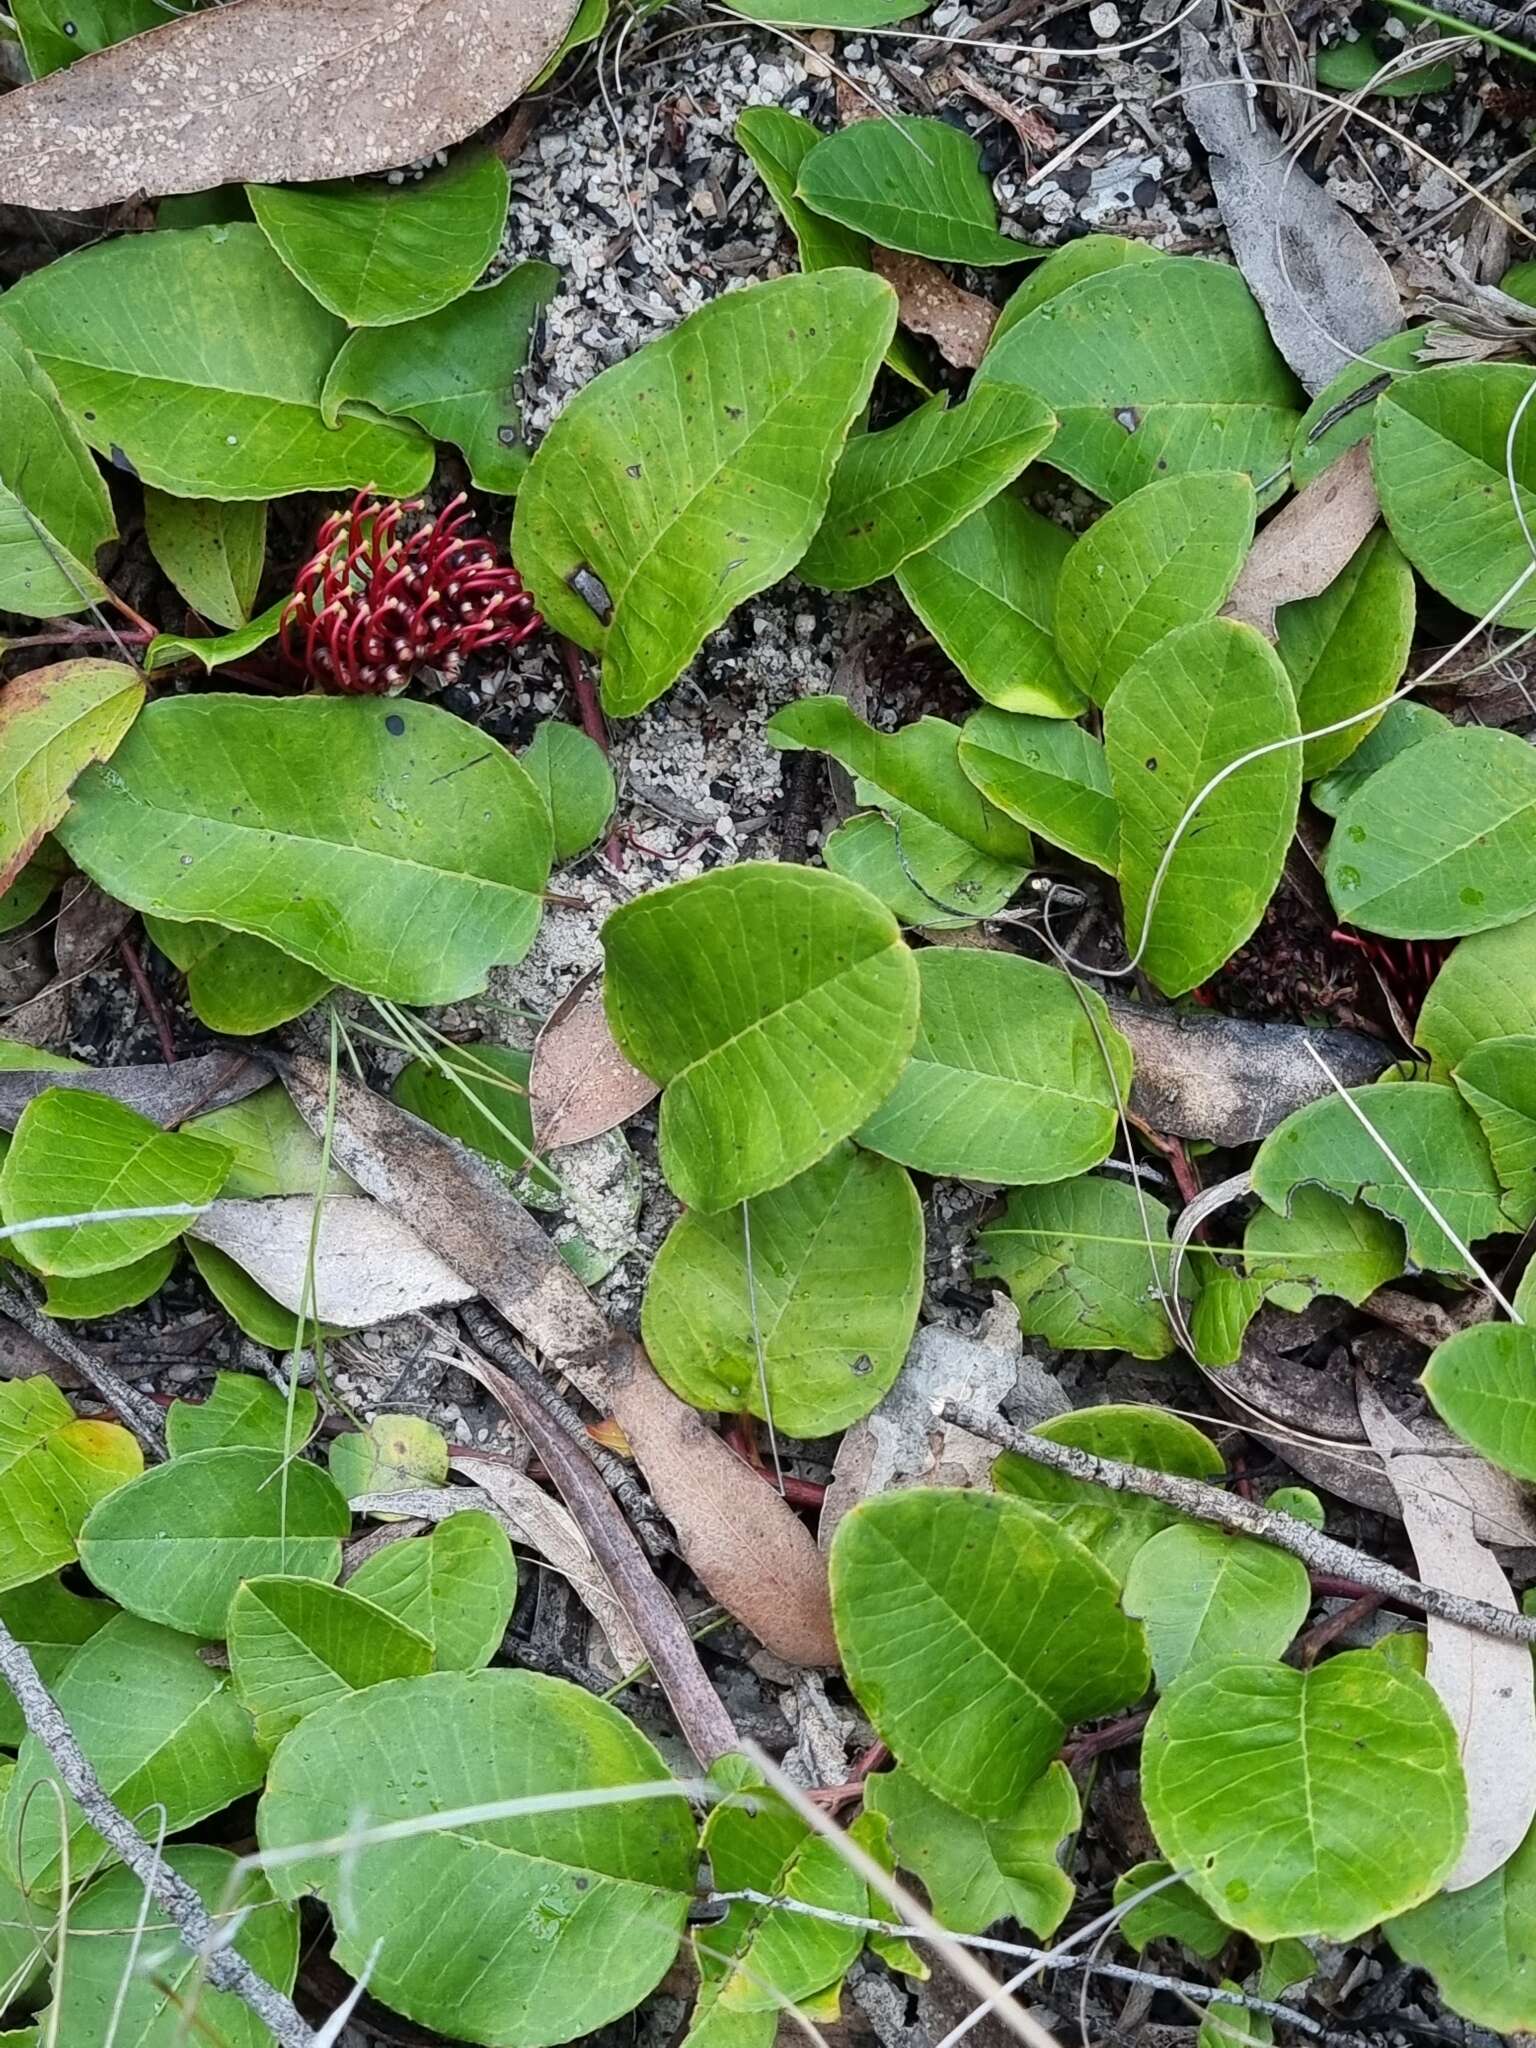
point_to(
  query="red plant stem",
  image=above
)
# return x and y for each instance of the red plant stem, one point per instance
(588, 709)
(144, 989)
(832, 1798)
(80, 636)
(1113, 1735)
(136, 619)
(1310, 1646)
(742, 1438)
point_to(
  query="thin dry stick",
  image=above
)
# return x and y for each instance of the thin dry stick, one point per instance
(226, 1969)
(136, 1409)
(1210, 1504)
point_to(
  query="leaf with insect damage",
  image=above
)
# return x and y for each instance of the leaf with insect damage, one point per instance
(53, 723)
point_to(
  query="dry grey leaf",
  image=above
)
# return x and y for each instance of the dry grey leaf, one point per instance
(89, 925)
(933, 304)
(1309, 542)
(581, 1085)
(166, 1095)
(902, 1443)
(744, 1544)
(1229, 1080)
(1484, 1684)
(369, 1268)
(271, 90)
(1325, 290)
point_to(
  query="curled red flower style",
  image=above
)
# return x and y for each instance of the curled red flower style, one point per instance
(374, 603)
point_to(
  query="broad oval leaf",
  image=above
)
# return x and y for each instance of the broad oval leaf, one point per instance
(920, 872)
(910, 182)
(375, 253)
(109, 1989)
(776, 1005)
(1207, 1596)
(1483, 1384)
(1321, 1246)
(975, 1872)
(1403, 725)
(1049, 774)
(382, 842)
(53, 1623)
(175, 1545)
(243, 1412)
(249, 1306)
(1077, 1261)
(1166, 556)
(54, 1468)
(275, 1151)
(479, 1095)
(1498, 1080)
(456, 1587)
(975, 1633)
(1015, 1076)
(1069, 265)
(215, 650)
(187, 1745)
(393, 1454)
(1154, 369)
(53, 723)
(297, 1644)
(1479, 1945)
(1346, 649)
(1487, 989)
(1432, 1136)
(1196, 703)
(80, 1299)
(572, 774)
(47, 559)
(1466, 862)
(896, 492)
(694, 474)
(1344, 411)
(987, 594)
(212, 552)
(1443, 468)
(74, 1152)
(545, 1892)
(150, 342)
(236, 983)
(813, 1332)
(1347, 1774)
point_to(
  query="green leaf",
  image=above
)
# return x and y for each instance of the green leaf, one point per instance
(1464, 863)
(244, 1412)
(1438, 1149)
(987, 594)
(1075, 1259)
(32, 887)
(1207, 1596)
(54, 508)
(1153, 369)
(55, 32)
(756, 1958)
(491, 1090)
(831, 1298)
(1305, 1802)
(1014, 1076)
(150, 342)
(1167, 556)
(454, 372)
(1301, 1502)
(1067, 266)
(174, 1545)
(1050, 775)
(275, 1151)
(572, 774)
(54, 1469)
(79, 1298)
(1487, 989)
(186, 1744)
(915, 868)
(694, 474)
(216, 650)
(917, 766)
(375, 253)
(380, 841)
(237, 984)
(910, 182)
(394, 1454)
(212, 552)
(53, 1623)
(1351, 67)
(109, 1989)
(546, 1893)
(1196, 702)
(456, 1587)
(24, 1934)
(1322, 1245)
(53, 723)
(777, 1007)
(897, 492)
(975, 1632)
(1113, 1526)
(1337, 418)
(1175, 1913)
(1479, 1945)
(1483, 1384)
(295, 1645)
(74, 1152)
(1498, 1080)
(1443, 466)
(1346, 649)
(977, 1873)
(1403, 726)
(249, 1306)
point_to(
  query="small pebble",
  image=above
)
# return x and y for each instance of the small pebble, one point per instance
(1104, 20)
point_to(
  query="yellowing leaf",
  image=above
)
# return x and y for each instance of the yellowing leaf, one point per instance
(53, 1470)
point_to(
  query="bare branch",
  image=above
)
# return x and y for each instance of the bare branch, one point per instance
(136, 1409)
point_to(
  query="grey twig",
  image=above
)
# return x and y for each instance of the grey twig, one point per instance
(1210, 1504)
(136, 1409)
(225, 1968)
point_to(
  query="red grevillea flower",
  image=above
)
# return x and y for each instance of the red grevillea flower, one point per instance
(375, 604)
(1406, 966)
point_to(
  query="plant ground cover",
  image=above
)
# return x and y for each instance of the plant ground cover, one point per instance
(872, 833)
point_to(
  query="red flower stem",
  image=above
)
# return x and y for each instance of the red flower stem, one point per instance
(588, 709)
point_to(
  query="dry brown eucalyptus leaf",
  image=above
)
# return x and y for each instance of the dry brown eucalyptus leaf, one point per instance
(271, 90)
(931, 303)
(166, 1095)
(89, 925)
(369, 1267)
(581, 1085)
(1309, 542)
